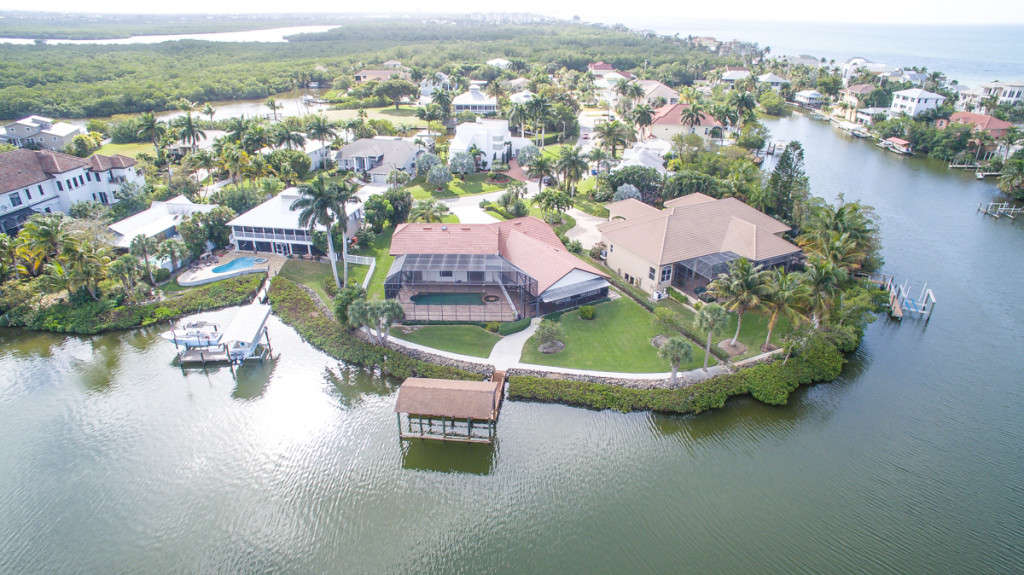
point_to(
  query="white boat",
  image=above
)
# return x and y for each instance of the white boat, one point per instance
(195, 334)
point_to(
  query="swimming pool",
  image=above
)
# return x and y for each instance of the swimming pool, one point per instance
(448, 298)
(238, 264)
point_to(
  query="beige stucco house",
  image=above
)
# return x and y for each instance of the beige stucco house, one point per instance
(691, 241)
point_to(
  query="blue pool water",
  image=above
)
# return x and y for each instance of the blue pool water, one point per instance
(238, 264)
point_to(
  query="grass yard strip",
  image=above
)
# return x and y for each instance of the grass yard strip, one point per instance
(379, 251)
(463, 339)
(473, 185)
(296, 308)
(131, 150)
(617, 339)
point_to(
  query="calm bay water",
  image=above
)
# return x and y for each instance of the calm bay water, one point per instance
(112, 460)
(969, 54)
(268, 35)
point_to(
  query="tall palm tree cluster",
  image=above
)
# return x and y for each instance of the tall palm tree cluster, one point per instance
(838, 242)
(65, 259)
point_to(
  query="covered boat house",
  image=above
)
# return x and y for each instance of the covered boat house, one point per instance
(449, 410)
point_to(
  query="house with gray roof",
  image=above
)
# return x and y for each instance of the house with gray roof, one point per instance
(378, 157)
(41, 132)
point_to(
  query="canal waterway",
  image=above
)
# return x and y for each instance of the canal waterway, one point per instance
(113, 460)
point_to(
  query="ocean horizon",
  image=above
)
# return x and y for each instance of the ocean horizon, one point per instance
(970, 54)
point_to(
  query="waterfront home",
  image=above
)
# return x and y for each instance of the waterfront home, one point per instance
(489, 135)
(367, 75)
(668, 122)
(487, 272)
(180, 147)
(914, 101)
(40, 132)
(691, 241)
(159, 221)
(808, 98)
(916, 78)
(274, 227)
(475, 101)
(657, 94)
(1009, 93)
(393, 64)
(377, 157)
(33, 181)
(854, 97)
(980, 123)
(866, 116)
(775, 82)
(519, 84)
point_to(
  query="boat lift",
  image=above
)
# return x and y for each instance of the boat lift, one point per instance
(999, 209)
(902, 302)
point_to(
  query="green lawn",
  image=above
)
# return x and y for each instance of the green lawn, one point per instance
(317, 275)
(618, 339)
(404, 115)
(473, 185)
(130, 150)
(755, 328)
(465, 339)
(379, 250)
(585, 204)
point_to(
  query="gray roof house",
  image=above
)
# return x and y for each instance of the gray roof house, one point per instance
(378, 157)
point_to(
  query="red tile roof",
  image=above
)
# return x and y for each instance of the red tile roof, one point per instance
(981, 121)
(600, 66)
(672, 114)
(527, 243)
(100, 163)
(861, 89)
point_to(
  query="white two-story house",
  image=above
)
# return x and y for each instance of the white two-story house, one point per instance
(41, 132)
(914, 101)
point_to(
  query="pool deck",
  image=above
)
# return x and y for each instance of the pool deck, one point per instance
(203, 273)
(487, 311)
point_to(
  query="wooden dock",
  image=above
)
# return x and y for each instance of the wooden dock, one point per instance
(1000, 209)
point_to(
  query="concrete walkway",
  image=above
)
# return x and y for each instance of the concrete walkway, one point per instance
(509, 349)
(586, 228)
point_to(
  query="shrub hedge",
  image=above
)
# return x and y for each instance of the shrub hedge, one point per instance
(296, 308)
(106, 315)
(769, 383)
(511, 327)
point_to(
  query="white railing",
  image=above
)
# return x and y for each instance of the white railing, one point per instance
(364, 261)
(271, 236)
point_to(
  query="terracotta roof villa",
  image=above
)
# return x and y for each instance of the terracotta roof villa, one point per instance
(691, 241)
(487, 272)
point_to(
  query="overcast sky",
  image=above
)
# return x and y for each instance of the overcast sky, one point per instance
(653, 11)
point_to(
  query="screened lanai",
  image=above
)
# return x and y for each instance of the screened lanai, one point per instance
(693, 275)
(459, 287)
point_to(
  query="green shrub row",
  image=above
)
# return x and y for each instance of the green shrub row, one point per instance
(769, 383)
(105, 315)
(511, 327)
(296, 308)
(444, 322)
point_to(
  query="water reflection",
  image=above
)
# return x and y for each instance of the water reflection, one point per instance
(448, 457)
(251, 379)
(353, 383)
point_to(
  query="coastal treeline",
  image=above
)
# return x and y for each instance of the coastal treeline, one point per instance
(96, 80)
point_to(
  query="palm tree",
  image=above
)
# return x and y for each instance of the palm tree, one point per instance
(1012, 180)
(321, 202)
(677, 351)
(58, 277)
(540, 167)
(692, 115)
(142, 246)
(320, 128)
(725, 115)
(236, 128)
(572, 166)
(541, 111)
(172, 250)
(256, 138)
(1012, 136)
(126, 270)
(234, 159)
(785, 295)
(600, 158)
(209, 111)
(643, 117)
(203, 160)
(284, 136)
(740, 288)
(611, 135)
(822, 279)
(272, 104)
(429, 210)
(152, 129)
(88, 265)
(744, 103)
(709, 318)
(443, 99)
(519, 114)
(188, 130)
(44, 236)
